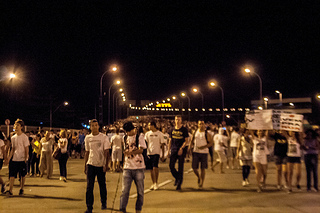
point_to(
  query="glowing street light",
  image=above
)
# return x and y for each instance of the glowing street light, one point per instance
(318, 96)
(213, 85)
(196, 90)
(66, 103)
(266, 102)
(117, 82)
(183, 94)
(113, 69)
(280, 96)
(12, 75)
(260, 81)
(120, 90)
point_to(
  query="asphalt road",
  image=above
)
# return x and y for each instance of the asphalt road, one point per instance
(221, 193)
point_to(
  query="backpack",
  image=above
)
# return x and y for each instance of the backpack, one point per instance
(146, 158)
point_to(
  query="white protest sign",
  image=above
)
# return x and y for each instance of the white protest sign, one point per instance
(291, 122)
(260, 120)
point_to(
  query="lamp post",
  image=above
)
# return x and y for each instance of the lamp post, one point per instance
(116, 83)
(196, 90)
(266, 103)
(213, 84)
(280, 96)
(249, 71)
(183, 94)
(113, 103)
(51, 112)
(114, 69)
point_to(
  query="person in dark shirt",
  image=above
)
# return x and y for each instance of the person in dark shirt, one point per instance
(280, 152)
(177, 147)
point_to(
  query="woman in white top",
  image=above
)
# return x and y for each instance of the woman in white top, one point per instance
(220, 145)
(259, 155)
(294, 157)
(63, 145)
(46, 161)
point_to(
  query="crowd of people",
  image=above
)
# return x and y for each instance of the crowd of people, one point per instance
(135, 147)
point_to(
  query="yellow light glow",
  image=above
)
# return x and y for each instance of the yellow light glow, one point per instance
(291, 104)
(66, 103)
(212, 84)
(260, 108)
(114, 69)
(174, 97)
(122, 94)
(120, 90)
(183, 94)
(195, 90)
(168, 99)
(266, 99)
(118, 82)
(318, 96)
(277, 91)
(12, 75)
(228, 116)
(247, 70)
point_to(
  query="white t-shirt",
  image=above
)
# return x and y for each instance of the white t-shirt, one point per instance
(46, 145)
(293, 148)
(234, 140)
(19, 143)
(218, 141)
(134, 161)
(65, 148)
(117, 142)
(95, 145)
(1, 145)
(260, 146)
(154, 140)
(200, 140)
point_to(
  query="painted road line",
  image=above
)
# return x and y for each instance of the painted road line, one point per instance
(149, 190)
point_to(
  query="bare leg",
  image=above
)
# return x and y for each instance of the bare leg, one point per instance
(203, 174)
(156, 174)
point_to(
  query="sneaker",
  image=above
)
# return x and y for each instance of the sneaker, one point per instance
(38, 175)
(286, 186)
(103, 206)
(21, 192)
(152, 187)
(298, 187)
(247, 182)
(314, 190)
(65, 179)
(155, 186)
(61, 178)
(8, 193)
(244, 183)
(279, 187)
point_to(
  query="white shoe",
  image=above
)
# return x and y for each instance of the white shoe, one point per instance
(151, 187)
(61, 178)
(247, 182)
(244, 183)
(155, 186)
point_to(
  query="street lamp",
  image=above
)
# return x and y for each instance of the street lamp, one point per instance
(117, 82)
(113, 69)
(183, 94)
(113, 103)
(213, 84)
(280, 96)
(12, 75)
(196, 90)
(266, 102)
(260, 81)
(51, 112)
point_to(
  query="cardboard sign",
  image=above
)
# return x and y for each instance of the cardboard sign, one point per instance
(261, 120)
(274, 119)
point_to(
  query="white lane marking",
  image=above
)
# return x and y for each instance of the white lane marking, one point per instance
(149, 190)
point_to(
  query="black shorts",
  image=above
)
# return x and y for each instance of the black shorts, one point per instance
(294, 160)
(1, 163)
(16, 167)
(280, 160)
(199, 158)
(154, 160)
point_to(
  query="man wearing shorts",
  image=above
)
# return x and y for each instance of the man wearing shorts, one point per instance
(200, 144)
(154, 139)
(19, 154)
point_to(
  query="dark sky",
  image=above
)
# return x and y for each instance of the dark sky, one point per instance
(162, 47)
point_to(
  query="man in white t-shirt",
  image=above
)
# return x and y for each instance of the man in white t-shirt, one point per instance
(234, 142)
(96, 164)
(133, 167)
(200, 143)
(116, 143)
(19, 155)
(220, 144)
(154, 139)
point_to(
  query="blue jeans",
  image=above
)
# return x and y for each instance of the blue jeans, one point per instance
(129, 175)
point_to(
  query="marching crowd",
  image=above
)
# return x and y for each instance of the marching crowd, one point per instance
(136, 147)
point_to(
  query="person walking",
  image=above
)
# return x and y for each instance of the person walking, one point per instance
(63, 145)
(155, 141)
(200, 143)
(178, 141)
(19, 154)
(117, 147)
(311, 147)
(35, 158)
(220, 145)
(96, 164)
(134, 166)
(46, 161)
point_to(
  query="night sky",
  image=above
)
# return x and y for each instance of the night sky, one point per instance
(161, 48)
